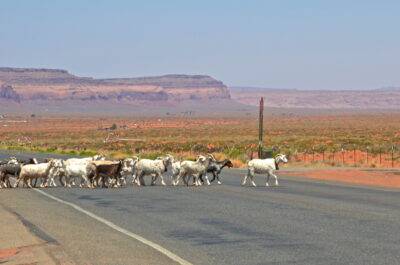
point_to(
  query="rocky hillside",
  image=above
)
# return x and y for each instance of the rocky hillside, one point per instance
(319, 99)
(8, 93)
(52, 86)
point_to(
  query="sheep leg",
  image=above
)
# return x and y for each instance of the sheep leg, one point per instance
(60, 179)
(73, 181)
(48, 182)
(82, 182)
(1, 180)
(199, 183)
(196, 180)
(134, 176)
(154, 179)
(104, 180)
(214, 175)
(4, 182)
(17, 182)
(162, 179)
(52, 182)
(251, 175)
(219, 181)
(244, 180)
(36, 180)
(173, 180)
(28, 184)
(245, 177)
(176, 179)
(44, 183)
(179, 177)
(7, 182)
(267, 184)
(252, 181)
(201, 178)
(185, 179)
(66, 180)
(276, 180)
(122, 180)
(208, 182)
(140, 180)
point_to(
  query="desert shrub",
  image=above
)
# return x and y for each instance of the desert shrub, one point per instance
(51, 149)
(234, 152)
(71, 152)
(244, 158)
(129, 152)
(17, 148)
(151, 155)
(87, 153)
(199, 148)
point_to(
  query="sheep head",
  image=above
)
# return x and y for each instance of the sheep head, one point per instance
(168, 159)
(281, 158)
(211, 157)
(12, 160)
(228, 163)
(98, 158)
(201, 159)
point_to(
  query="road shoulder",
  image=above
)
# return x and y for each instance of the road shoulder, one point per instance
(23, 243)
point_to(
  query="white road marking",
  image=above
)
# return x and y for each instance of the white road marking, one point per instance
(153, 245)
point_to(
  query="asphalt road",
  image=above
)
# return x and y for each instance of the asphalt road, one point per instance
(302, 221)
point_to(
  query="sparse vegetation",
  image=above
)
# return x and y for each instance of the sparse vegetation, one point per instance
(308, 141)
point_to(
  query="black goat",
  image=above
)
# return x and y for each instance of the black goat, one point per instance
(216, 167)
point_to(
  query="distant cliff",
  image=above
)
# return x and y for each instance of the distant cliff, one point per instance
(388, 98)
(53, 85)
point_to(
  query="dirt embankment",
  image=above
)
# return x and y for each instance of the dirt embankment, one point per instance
(387, 178)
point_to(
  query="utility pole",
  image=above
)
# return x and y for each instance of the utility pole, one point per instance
(260, 128)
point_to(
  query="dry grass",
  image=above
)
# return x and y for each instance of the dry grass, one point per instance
(234, 138)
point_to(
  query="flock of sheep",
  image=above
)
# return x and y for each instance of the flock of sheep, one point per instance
(96, 171)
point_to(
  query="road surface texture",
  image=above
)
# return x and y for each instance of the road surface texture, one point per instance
(303, 221)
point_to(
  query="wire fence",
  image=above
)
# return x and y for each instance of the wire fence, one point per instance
(387, 156)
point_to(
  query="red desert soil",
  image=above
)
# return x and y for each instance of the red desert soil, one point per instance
(388, 178)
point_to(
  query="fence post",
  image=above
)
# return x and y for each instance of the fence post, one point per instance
(354, 154)
(342, 156)
(392, 156)
(260, 128)
(313, 154)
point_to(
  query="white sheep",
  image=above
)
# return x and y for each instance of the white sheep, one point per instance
(193, 168)
(82, 171)
(154, 168)
(128, 169)
(264, 166)
(77, 167)
(176, 168)
(35, 171)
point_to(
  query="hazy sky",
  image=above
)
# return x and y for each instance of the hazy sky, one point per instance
(281, 44)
